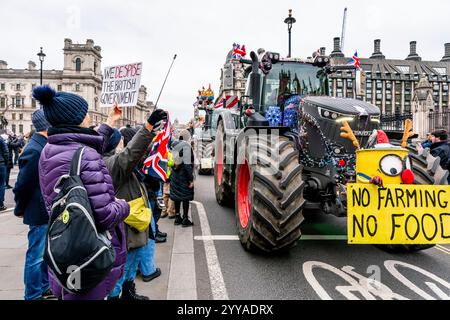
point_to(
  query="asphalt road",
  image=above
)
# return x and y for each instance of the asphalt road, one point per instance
(314, 269)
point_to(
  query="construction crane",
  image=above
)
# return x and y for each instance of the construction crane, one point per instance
(344, 24)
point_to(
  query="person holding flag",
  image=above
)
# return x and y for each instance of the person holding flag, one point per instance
(121, 166)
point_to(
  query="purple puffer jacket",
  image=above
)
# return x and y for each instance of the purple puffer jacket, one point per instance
(109, 213)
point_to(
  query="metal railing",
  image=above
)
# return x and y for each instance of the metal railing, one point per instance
(439, 120)
(394, 121)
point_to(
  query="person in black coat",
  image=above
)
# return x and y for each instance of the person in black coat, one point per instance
(182, 181)
(440, 147)
(12, 144)
(4, 158)
(31, 208)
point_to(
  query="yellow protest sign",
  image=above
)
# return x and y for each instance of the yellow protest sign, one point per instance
(398, 214)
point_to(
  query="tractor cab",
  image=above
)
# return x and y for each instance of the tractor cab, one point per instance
(275, 85)
(290, 78)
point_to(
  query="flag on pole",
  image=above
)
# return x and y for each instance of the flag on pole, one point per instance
(355, 61)
(156, 163)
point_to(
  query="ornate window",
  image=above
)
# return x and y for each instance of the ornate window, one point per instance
(78, 64)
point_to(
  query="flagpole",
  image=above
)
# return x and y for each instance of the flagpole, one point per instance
(174, 57)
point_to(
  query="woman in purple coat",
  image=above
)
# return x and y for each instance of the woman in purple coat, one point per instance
(68, 115)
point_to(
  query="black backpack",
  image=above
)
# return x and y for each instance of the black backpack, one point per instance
(78, 255)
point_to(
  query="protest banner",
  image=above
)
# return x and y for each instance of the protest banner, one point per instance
(121, 85)
(398, 214)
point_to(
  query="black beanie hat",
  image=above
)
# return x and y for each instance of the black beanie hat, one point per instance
(127, 134)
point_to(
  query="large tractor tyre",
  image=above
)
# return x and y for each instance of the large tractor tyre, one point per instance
(427, 170)
(224, 196)
(205, 150)
(269, 195)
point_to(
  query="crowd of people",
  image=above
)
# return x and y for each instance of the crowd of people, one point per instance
(125, 200)
(110, 170)
(11, 146)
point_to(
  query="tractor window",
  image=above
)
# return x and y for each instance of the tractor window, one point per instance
(288, 78)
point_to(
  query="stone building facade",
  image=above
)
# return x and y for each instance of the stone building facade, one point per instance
(391, 83)
(232, 80)
(81, 74)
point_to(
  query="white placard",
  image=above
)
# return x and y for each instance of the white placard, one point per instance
(121, 84)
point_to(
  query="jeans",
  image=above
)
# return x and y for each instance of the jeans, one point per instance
(8, 174)
(36, 274)
(147, 264)
(129, 274)
(16, 156)
(2, 184)
(142, 258)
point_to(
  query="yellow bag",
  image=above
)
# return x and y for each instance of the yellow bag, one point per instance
(140, 215)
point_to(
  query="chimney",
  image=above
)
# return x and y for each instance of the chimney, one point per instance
(67, 43)
(413, 52)
(31, 65)
(323, 51)
(3, 65)
(377, 50)
(337, 49)
(447, 53)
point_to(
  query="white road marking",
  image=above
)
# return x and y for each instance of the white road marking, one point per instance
(219, 291)
(442, 248)
(323, 237)
(303, 238)
(444, 251)
(391, 266)
(369, 288)
(216, 238)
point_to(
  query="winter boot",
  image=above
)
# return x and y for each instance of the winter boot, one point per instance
(186, 222)
(129, 292)
(178, 220)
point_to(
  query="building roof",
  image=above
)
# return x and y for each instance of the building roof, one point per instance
(405, 69)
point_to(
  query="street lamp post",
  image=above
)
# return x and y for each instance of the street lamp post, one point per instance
(41, 56)
(290, 20)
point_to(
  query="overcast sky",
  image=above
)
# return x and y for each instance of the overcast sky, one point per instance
(201, 32)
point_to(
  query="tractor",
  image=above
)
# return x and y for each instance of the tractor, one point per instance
(203, 136)
(280, 153)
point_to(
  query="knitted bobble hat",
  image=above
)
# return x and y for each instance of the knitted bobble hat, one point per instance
(61, 107)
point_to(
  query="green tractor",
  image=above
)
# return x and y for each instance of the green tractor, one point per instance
(280, 153)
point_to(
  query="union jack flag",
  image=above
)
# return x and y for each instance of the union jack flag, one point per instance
(355, 61)
(156, 163)
(238, 51)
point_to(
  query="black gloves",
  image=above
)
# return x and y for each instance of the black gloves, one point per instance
(158, 116)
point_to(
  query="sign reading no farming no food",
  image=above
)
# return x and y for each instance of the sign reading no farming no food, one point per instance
(121, 85)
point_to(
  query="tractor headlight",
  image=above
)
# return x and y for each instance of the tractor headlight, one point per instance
(342, 119)
(331, 115)
(375, 119)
